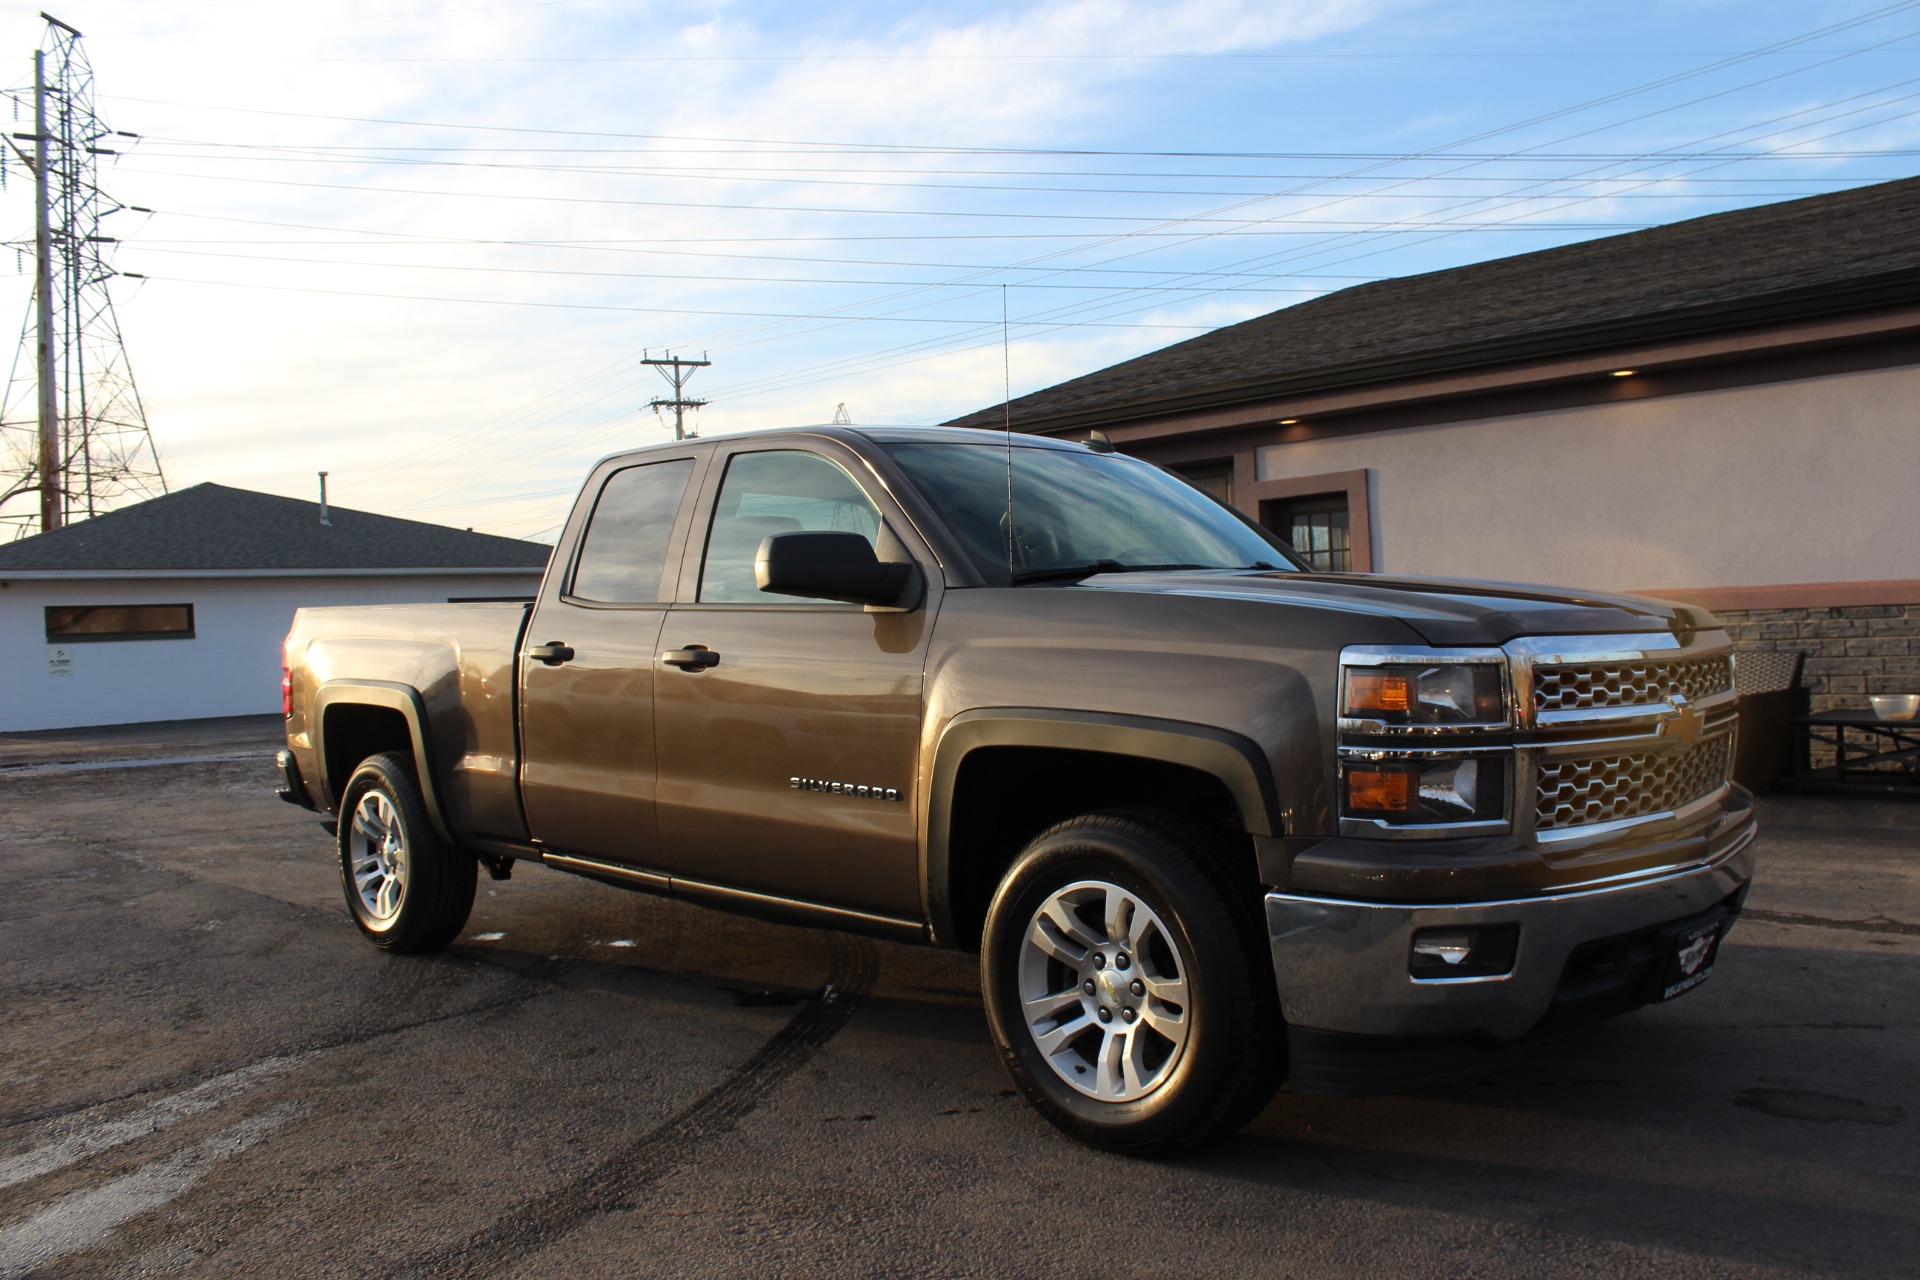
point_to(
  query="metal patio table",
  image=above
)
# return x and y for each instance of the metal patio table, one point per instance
(1871, 753)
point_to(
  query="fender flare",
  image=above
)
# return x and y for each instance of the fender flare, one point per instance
(389, 695)
(1239, 765)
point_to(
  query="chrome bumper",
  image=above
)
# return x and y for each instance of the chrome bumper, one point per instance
(1343, 966)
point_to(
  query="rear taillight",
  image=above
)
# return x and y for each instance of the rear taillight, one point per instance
(286, 692)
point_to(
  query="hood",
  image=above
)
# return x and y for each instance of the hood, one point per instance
(1444, 611)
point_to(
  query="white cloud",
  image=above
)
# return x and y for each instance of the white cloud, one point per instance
(259, 372)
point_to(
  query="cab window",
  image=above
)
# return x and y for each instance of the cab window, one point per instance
(781, 491)
(623, 557)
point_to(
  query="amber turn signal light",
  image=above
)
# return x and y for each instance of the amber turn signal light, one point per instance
(1379, 691)
(1379, 790)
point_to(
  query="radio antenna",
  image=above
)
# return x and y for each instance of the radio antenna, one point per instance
(1006, 419)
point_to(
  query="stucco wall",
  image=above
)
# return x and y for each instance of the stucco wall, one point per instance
(230, 667)
(1815, 480)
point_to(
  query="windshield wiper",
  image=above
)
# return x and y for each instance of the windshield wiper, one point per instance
(1062, 573)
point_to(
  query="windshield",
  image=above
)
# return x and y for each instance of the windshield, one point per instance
(1079, 513)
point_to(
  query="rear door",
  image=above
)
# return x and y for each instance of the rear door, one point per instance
(587, 668)
(788, 766)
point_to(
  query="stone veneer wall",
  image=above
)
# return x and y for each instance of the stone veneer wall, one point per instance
(1852, 650)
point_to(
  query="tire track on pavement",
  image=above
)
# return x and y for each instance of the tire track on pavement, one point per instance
(615, 1183)
(1872, 924)
(547, 975)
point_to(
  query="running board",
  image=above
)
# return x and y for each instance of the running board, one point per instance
(766, 906)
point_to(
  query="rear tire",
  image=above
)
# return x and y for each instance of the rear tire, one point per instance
(1128, 989)
(407, 889)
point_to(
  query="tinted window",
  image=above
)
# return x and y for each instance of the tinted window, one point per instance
(1074, 508)
(777, 492)
(120, 622)
(624, 555)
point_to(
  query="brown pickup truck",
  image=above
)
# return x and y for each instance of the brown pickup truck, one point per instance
(1211, 820)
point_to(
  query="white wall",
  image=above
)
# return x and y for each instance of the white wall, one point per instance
(1815, 480)
(231, 667)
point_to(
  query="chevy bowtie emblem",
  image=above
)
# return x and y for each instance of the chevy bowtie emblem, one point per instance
(1683, 722)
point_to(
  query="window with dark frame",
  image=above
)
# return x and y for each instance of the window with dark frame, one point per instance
(79, 623)
(1215, 477)
(623, 555)
(778, 491)
(1316, 525)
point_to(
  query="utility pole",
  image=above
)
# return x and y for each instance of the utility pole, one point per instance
(676, 371)
(49, 417)
(73, 434)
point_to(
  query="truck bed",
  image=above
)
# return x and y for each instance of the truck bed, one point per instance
(461, 660)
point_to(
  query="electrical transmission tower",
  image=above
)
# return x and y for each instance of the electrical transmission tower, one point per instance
(73, 434)
(841, 418)
(676, 371)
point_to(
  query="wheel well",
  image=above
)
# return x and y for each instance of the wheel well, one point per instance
(1004, 796)
(353, 732)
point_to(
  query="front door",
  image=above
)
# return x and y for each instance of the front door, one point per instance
(587, 666)
(787, 767)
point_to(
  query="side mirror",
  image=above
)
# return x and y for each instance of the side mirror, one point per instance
(831, 566)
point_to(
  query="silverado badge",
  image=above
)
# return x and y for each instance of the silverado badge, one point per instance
(844, 789)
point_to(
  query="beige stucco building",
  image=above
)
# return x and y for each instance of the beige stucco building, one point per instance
(1724, 411)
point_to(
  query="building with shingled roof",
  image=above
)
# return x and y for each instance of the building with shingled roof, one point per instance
(176, 608)
(1724, 411)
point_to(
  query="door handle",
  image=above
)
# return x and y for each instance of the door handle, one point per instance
(553, 653)
(695, 657)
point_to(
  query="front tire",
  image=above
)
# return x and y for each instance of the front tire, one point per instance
(1131, 1002)
(407, 889)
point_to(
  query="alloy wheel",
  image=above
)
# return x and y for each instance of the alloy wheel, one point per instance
(377, 848)
(1103, 987)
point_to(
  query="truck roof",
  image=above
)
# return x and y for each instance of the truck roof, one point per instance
(882, 435)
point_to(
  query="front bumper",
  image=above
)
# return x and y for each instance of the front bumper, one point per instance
(1344, 966)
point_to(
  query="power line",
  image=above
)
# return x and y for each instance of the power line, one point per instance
(712, 206)
(1452, 151)
(149, 246)
(821, 178)
(592, 306)
(1136, 240)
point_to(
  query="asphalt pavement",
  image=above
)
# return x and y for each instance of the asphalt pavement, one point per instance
(204, 1071)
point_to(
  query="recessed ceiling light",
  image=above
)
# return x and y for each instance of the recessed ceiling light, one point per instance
(1623, 373)
(1288, 422)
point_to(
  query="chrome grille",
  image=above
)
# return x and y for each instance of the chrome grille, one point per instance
(1575, 793)
(1629, 684)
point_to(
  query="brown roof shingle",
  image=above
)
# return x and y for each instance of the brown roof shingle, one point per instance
(1844, 251)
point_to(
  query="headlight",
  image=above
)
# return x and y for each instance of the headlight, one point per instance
(1426, 790)
(1439, 695)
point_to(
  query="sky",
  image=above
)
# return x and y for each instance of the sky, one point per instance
(424, 244)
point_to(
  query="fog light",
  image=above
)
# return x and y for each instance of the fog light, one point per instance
(1449, 949)
(1485, 951)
